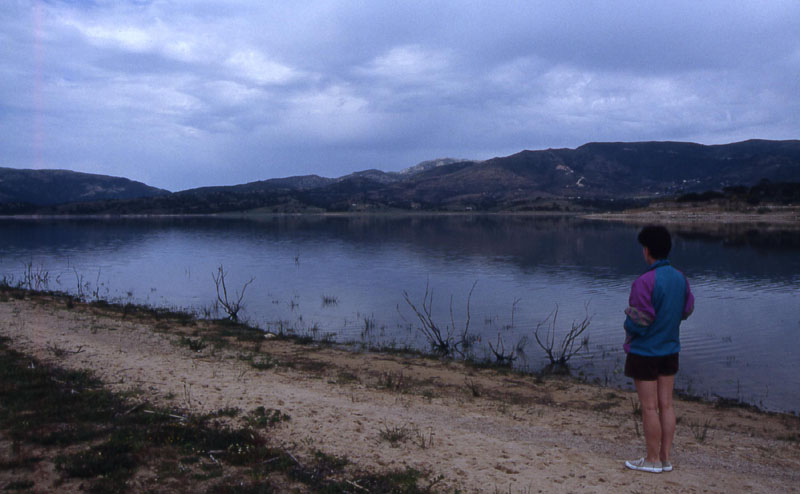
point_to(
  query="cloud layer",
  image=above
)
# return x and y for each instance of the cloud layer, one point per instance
(183, 94)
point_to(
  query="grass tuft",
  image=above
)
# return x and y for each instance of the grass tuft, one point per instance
(194, 344)
(395, 434)
(329, 300)
(263, 363)
(700, 430)
(266, 417)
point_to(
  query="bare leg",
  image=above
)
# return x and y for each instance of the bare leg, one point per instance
(648, 397)
(666, 414)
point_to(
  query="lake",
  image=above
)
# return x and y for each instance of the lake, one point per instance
(344, 278)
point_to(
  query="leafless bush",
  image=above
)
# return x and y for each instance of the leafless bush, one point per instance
(393, 381)
(97, 286)
(447, 341)
(35, 278)
(559, 352)
(232, 305)
(395, 434)
(82, 286)
(473, 387)
(8, 281)
(422, 440)
(506, 358)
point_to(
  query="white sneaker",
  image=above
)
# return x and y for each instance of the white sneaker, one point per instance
(666, 466)
(645, 466)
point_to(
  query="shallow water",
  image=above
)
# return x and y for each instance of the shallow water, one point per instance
(740, 343)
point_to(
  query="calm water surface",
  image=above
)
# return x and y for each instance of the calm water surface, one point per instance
(741, 342)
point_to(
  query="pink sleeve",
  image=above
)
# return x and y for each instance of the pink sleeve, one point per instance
(640, 305)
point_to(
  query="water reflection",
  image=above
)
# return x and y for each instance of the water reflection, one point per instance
(746, 280)
(531, 243)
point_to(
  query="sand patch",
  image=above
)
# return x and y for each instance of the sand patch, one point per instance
(474, 429)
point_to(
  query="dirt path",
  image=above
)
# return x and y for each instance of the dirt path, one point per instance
(479, 430)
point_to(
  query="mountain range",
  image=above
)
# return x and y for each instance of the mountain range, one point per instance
(596, 174)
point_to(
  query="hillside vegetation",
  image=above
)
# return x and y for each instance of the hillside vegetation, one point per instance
(27, 189)
(595, 176)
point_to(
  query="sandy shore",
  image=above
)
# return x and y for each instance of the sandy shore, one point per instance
(478, 429)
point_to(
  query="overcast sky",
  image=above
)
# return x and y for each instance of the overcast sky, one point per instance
(181, 94)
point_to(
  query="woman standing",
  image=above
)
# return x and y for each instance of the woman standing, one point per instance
(660, 299)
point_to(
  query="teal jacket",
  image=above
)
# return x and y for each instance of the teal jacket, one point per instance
(660, 299)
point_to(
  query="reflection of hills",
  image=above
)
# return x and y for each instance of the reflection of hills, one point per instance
(762, 238)
(526, 241)
(598, 250)
(67, 236)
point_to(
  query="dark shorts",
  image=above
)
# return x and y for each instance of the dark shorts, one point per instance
(649, 368)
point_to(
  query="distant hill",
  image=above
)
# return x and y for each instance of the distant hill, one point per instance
(28, 188)
(598, 172)
(427, 165)
(596, 175)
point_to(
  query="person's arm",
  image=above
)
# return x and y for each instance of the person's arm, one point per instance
(635, 328)
(640, 312)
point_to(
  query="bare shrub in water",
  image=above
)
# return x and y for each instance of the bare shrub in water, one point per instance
(506, 358)
(35, 278)
(232, 305)
(559, 352)
(447, 341)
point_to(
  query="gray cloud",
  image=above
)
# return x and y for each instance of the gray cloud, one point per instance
(181, 95)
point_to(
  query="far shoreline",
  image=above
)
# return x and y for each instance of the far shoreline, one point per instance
(786, 217)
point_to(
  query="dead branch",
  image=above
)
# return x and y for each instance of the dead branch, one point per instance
(560, 354)
(506, 358)
(167, 414)
(230, 306)
(446, 341)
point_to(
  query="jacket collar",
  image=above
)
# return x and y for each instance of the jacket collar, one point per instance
(658, 264)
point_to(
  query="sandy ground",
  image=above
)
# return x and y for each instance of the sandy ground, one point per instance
(520, 435)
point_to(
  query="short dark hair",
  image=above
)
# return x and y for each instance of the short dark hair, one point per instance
(657, 240)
